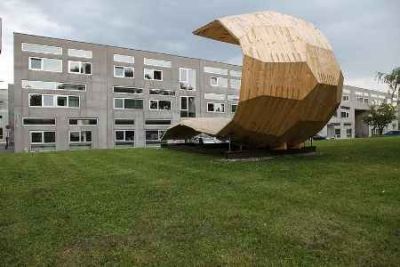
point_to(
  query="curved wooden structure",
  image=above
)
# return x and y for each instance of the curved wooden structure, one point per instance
(291, 82)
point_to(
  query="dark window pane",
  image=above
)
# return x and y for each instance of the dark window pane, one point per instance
(129, 90)
(128, 72)
(124, 122)
(133, 104)
(36, 137)
(39, 121)
(74, 137)
(165, 105)
(158, 122)
(87, 68)
(119, 135)
(74, 101)
(62, 101)
(49, 137)
(130, 135)
(36, 100)
(157, 75)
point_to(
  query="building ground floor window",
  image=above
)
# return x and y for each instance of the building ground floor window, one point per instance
(42, 140)
(80, 139)
(124, 138)
(153, 137)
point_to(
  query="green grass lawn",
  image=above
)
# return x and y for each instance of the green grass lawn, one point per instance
(163, 207)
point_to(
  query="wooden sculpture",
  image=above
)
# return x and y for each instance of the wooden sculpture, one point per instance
(291, 81)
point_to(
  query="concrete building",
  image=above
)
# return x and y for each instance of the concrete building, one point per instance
(348, 120)
(3, 112)
(76, 95)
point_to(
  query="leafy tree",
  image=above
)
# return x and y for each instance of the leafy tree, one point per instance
(380, 116)
(391, 79)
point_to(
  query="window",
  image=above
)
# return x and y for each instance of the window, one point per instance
(124, 137)
(161, 92)
(214, 70)
(80, 67)
(127, 90)
(365, 100)
(216, 107)
(213, 96)
(52, 86)
(188, 108)
(1, 133)
(80, 53)
(38, 121)
(124, 59)
(42, 137)
(153, 137)
(80, 137)
(159, 105)
(128, 103)
(345, 98)
(234, 108)
(41, 49)
(337, 133)
(348, 133)
(157, 62)
(37, 100)
(124, 122)
(234, 98)
(344, 114)
(151, 74)
(45, 64)
(235, 83)
(83, 122)
(123, 72)
(187, 79)
(219, 82)
(235, 73)
(158, 122)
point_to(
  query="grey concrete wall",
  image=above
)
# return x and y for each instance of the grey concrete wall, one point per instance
(98, 99)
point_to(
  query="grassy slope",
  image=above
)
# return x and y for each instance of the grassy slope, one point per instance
(174, 208)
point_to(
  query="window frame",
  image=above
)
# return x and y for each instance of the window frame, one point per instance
(124, 67)
(158, 105)
(42, 133)
(42, 64)
(36, 118)
(123, 108)
(55, 102)
(153, 70)
(214, 107)
(80, 67)
(80, 137)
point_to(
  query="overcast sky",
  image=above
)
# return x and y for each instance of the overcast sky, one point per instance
(365, 34)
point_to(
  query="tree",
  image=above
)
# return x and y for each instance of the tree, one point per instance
(380, 116)
(391, 79)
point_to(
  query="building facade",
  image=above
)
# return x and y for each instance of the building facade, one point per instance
(75, 95)
(348, 120)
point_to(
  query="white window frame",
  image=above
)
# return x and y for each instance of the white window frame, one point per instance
(156, 62)
(214, 107)
(158, 105)
(36, 52)
(80, 67)
(132, 61)
(166, 90)
(43, 142)
(144, 75)
(124, 67)
(187, 70)
(83, 125)
(219, 82)
(80, 137)
(42, 64)
(71, 52)
(55, 105)
(55, 87)
(346, 98)
(124, 86)
(123, 108)
(124, 130)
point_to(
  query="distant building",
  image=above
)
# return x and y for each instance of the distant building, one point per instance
(348, 120)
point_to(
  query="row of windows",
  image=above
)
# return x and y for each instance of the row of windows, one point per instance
(89, 122)
(187, 77)
(128, 59)
(121, 137)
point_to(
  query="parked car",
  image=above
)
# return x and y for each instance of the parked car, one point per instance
(205, 139)
(319, 137)
(392, 133)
